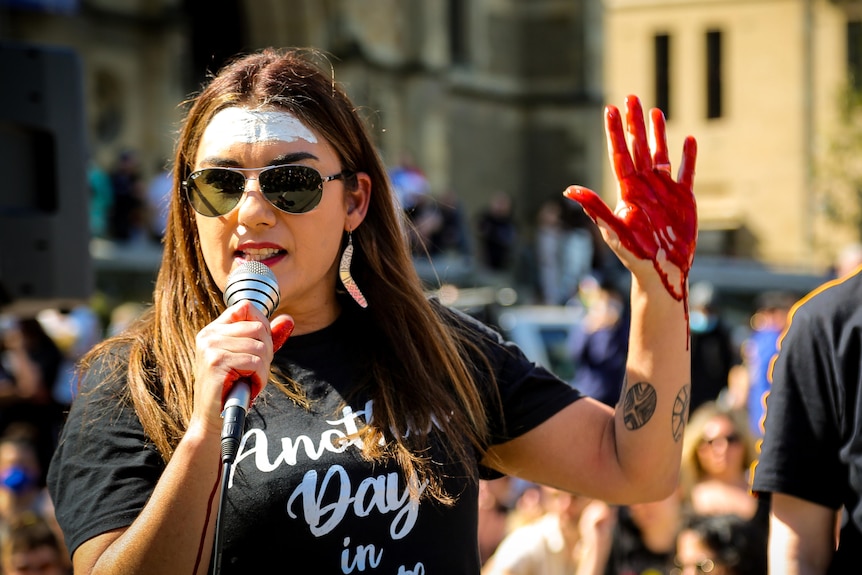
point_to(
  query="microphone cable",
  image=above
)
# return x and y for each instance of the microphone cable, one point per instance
(217, 541)
(206, 523)
(234, 424)
(254, 282)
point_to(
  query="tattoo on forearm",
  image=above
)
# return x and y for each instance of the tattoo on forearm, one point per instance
(639, 405)
(680, 411)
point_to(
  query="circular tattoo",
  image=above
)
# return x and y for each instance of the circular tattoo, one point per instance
(639, 405)
(680, 412)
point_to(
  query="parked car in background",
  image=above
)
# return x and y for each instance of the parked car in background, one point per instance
(543, 332)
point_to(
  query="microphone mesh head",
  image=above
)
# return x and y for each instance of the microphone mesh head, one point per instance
(253, 281)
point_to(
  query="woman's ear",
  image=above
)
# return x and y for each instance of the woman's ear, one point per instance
(357, 201)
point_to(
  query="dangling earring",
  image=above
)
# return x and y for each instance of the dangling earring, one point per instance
(344, 271)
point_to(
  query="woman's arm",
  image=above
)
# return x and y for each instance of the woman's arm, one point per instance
(631, 453)
(168, 535)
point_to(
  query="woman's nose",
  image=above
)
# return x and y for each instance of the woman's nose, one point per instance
(254, 208)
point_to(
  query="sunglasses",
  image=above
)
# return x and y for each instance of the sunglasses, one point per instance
(291, 188)
(723, 440)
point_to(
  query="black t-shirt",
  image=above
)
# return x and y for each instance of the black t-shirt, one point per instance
(812, 447)
(295, 491)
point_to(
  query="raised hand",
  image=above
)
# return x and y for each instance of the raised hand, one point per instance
(656, 217)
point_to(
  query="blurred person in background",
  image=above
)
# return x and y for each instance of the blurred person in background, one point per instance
(158, 196)
(497, 233)
(425, 219)
(496, 501)
(32, 361)
(124, 315)
(758, 350)
(22, 486)
(409, 182)
(549, 545)
(583, 252)
(635, 539)
(75, 331)
(712, 350)
(598, 345)
(717, 454)
(451, 236)
(101, 199)
(22, 479)
(29, 546)
(720, 545)
(127, 220)
(548, 242)
(563, 251)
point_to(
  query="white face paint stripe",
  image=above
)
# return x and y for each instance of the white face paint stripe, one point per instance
(241, 125)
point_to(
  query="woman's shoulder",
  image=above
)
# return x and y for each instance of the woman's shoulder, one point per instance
(104, 368)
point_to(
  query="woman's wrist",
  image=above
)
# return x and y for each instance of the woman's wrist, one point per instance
(200, 435)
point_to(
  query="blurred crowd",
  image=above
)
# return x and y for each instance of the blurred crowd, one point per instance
(711, 524)
(37, 385)
(128, 204)
(30, 419)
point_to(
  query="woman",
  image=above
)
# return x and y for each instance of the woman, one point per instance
(385, 408)
(717, 454)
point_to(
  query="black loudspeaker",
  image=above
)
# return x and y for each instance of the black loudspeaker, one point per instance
(44, 196)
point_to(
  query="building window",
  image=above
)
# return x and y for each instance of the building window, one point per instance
(854, 53)
(662, 73)
(458, 34)
(713, 74)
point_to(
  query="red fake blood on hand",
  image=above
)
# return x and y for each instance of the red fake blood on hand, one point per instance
(281, 330)
(655, 217)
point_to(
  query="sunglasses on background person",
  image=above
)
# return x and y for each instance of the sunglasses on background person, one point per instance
(291, 188)
(722, 440)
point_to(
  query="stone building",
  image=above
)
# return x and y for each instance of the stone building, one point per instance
(761, 85)
(506, 95)
(485, 95)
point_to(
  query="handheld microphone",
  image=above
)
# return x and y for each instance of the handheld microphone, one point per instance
(254, 282)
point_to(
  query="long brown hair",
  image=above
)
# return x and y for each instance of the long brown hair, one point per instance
(421, 372)
(692, 471)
